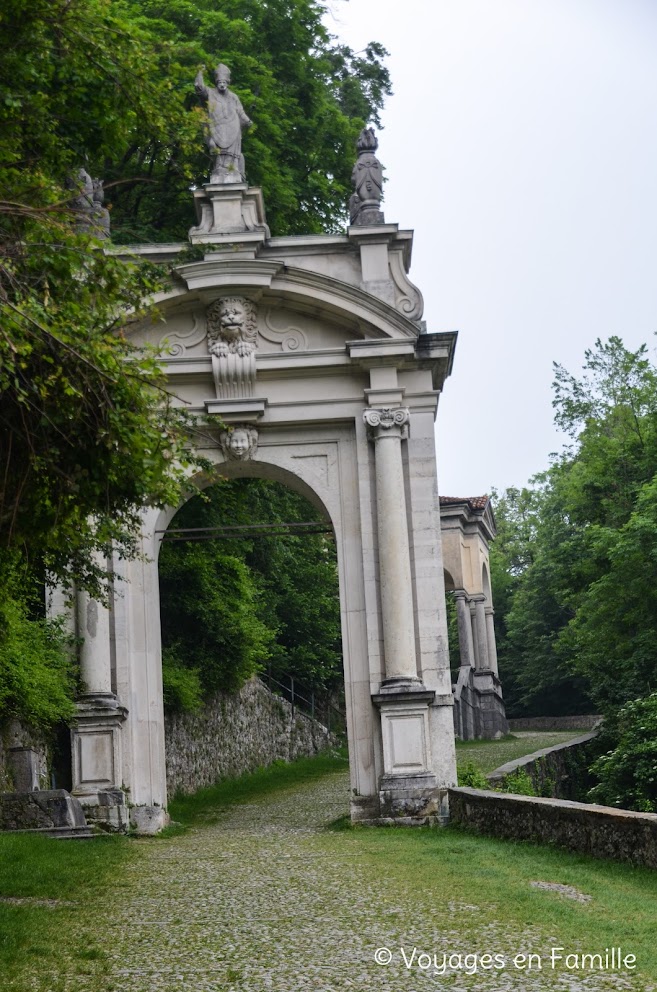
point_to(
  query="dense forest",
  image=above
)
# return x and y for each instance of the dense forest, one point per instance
(574, 570)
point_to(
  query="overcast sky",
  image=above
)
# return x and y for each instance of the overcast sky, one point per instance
(521, 146)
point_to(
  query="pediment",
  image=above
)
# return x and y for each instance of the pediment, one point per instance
(297, 311)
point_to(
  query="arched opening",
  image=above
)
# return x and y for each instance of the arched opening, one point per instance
(485, 585)
(250, 610)
(452, 625)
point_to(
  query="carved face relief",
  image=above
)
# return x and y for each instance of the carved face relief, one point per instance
(231, 319)
(240, 443)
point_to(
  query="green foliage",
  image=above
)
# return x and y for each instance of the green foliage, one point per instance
(453, 636)
(308, 98)
(215, 594)
(88, 435)
(210, 621)
(471, 776)
(628, 772)
(37, 680)
(519, 783)
(181, 686)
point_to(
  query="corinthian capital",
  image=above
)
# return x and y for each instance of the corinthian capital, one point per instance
(387, 422)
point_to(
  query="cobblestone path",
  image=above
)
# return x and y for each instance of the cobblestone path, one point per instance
(266, 900)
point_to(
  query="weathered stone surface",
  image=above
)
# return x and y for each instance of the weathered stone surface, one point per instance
(236, 733)
(557, 772)
(40, 810)
(602, 831)
(226, 121)
(587, 722)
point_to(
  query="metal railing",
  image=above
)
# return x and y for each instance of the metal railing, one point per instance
(317, 706)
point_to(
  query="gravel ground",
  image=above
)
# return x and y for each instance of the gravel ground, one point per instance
(266, 900)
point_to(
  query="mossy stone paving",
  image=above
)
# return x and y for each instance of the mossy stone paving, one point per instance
(267, 899)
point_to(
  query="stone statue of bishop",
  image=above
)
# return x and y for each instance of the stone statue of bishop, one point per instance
(226, 121)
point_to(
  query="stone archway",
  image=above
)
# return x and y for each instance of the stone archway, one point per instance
(313, 351)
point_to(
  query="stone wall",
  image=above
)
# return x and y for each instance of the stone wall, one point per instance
(237, 733)
(558, 772)
(587, 722)
(6, 784)
(602, 831)
(24, 759)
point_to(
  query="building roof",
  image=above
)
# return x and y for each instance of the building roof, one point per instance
(474, 502)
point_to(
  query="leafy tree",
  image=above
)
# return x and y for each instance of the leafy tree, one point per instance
(87, 433)
(308, 98)
(284, 587)
(627, 773)
(580, 611)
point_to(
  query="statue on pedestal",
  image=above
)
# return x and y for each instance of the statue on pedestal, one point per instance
(367, 178)
(91, 216)
(226, 120)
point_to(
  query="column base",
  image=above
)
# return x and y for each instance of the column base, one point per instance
(407, 789)
(146, 821)
(107, 811)
(96, 747)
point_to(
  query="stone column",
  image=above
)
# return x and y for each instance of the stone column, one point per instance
(387, 428)
(481, 634)
(490, 632)
(95, 657)
(466, 646)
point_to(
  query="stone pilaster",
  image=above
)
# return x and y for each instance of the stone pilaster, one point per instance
(492, 646)
(466, 645)
(480, 632)
(387, 428)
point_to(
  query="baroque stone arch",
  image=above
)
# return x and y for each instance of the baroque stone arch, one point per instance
(308, 366)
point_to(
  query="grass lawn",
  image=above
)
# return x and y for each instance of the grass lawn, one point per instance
(45, 885)
(492, 905)
(489, 755)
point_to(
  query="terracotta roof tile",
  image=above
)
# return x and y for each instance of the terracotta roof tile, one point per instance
(474, 502)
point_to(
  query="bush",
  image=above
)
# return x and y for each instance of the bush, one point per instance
(472, 777)
(519, 783)
(628, 773)
(37, 682)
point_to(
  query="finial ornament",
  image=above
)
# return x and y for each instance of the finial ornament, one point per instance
(367, 179)
(226, 121)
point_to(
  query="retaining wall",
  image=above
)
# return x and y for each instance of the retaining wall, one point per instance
(587, 722)
(558, 772)
(236, 733)
(602, 831)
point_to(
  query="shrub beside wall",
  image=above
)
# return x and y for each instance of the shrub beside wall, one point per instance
(236, 733)
(559, 772)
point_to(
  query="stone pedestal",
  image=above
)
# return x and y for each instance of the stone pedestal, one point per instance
(96, 730)
(229, 211)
